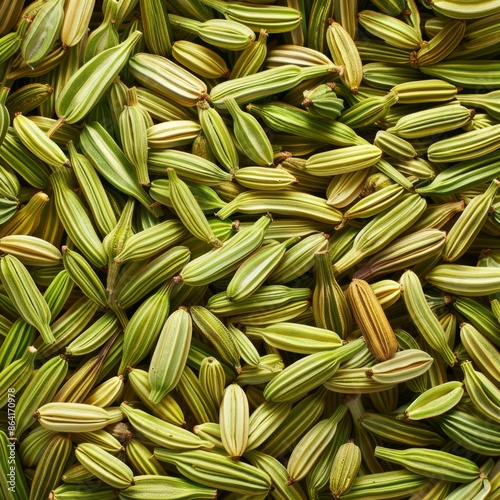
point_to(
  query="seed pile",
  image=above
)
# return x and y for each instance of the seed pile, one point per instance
(250, 250)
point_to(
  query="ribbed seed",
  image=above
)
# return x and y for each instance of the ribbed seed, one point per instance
(221, 261)
(432, 463)
(381, 230)
(212, 379)
(222, 33)
(345, 53)
(25, 296)
(217, 333)
(330, 309)
(435, 401)
(189, 211)
(234, 421)
(483, 393)
(103, 465)
(403, 253)
(308, 373)
(251, 59)
(50, 467)
(41, 145)
(345, 468)
(16, 374)
(471, 431)
(255, 270)
(27, 98)
(294, 337)
(76, 19)
(89, 83)
(218, 137)
(468, 225)
(167, 409)
(133, 123)
(144, 327)
(387, 427)
(75, 417)
(167, 79)
(215, 471)
(170, 354)
(110, 161)
(250, 135)
(43, 32)
(377, 485)
(153, 274)
(308, 450)
(40, 390)
(163, 433)
(141, 460)
(199, 59)
(105, 35)
(465, 280)
(76, 221)
(93, 191)
(371, 320)
(155, 487)
(191, 390)
(84, 276)
(156, 26)
(483, 352)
